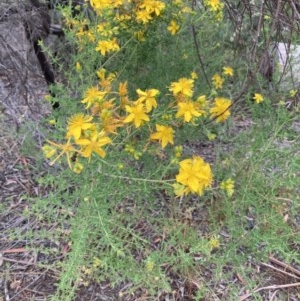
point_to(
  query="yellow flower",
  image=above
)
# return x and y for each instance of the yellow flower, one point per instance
(78, 67)
(194, 75)
(228, 186)
(90, 35)
(77, 124)
(106, 46)
(187, 10)
(123, 89)
(99, 107)
(105, 84)
(101, 73)
(195, 174)
(67, 149)
(184, 86)
(188, 110)
(153, 6)
(167, 117)
(258, 98)
(148, 97)
(178, 151)
(179, 189)
(293, 93)
(221, 109)
(86, 271)
(185, 56)
(164, 134)
(201, 101)
(228, 71)
(177, 2)
(214, 5)
(120, 166)
(211, 136)
(49, 151)
(173, 27)
(137, 114)
(140, 35)
(122, 18)
(48, 97)
(100, 4)
(92, 95)
(117, 3)
(105, 29)
(94, 144)
(123, 102)
(214, 243)
(181, 98)
(105, 81)
(97, 263)
(52, 122)
(131, 150)
(78, 167)
(217, 81)
(143, 16)
(149, 265)
(109, 123)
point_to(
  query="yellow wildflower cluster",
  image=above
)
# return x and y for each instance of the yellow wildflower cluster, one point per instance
(187, 109)
(215, 6)
(112, 112)
(218, 80)
(144, 11)
(105, 46)
(125, 16)
(109, 112)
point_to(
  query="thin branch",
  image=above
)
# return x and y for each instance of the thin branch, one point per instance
(270, 287)
(284, 265)
(295, 9)
(199, 55)
(259, 26)
(18, 261)
(234, 101)
(279, 270)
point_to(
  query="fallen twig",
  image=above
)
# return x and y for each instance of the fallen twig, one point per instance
(273, 296)
(294, 274)
(16, 250)
(284, 265)
(18, 261)
(270, 287)
(279, 270)
(6, 293)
